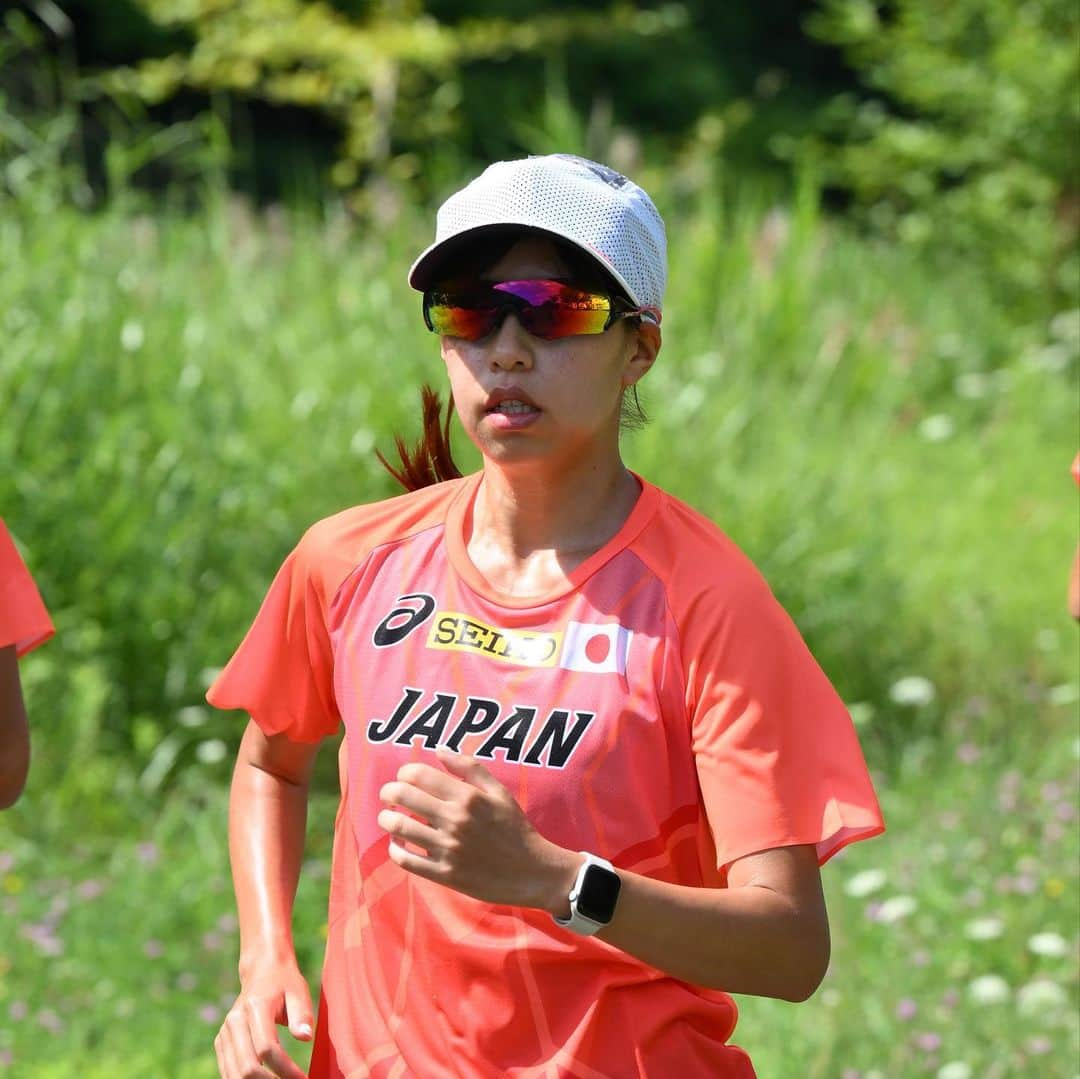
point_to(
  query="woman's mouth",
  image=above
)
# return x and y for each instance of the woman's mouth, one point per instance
(513, 408)
(508, 411)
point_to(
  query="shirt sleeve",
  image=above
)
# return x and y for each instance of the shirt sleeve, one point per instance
(777, 756)
(24, 621)
(282, 673)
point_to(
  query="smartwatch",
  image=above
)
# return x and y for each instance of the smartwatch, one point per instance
(593, 896)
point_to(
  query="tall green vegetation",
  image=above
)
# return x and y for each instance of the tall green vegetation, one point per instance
(191, 383)
(187, 382)
(184, 394)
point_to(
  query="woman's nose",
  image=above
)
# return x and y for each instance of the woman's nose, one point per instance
(511, 346)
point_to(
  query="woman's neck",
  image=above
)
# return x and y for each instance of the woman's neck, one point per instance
(529, 530)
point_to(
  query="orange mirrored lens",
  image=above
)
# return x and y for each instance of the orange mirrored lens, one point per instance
(546, 309)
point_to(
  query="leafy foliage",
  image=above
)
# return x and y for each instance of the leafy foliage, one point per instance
(389, 79)
(968, 136)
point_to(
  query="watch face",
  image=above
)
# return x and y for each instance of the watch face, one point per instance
(599, 890)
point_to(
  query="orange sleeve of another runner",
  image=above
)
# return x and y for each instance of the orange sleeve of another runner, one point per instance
(282, 673)
(24, 621)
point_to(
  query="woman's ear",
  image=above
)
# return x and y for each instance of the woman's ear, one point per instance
(646, 347)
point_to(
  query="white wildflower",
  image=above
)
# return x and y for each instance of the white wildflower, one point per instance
(132, 336)
(1065, 325)
(937, 428)
(952, 346)
(208, 676)
(1051, 358)
(989, 989)
(193, 715)
(191, 376)
(913, 690)
(1066, 693)
(866, 883)
(955, 1069)
(861, 712)
(972, 385)
(1040, 997)
(362, 442)
(1053, 945)
(984, 929)
(211, 751)
(899, 906)
(689, 399)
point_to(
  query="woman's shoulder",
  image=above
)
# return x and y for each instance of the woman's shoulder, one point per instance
(334, 546)
(717, 596)
(682, 542)
(371, 524)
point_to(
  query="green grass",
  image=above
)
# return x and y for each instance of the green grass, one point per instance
(120, 953)
(937, 958)
(182, 393)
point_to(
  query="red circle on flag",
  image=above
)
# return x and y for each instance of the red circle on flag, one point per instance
(597, 648)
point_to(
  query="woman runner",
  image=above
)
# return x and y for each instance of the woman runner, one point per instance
(590, 768)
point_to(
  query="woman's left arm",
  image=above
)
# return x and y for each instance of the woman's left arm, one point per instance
(765, 934)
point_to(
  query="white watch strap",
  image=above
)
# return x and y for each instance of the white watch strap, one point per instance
(577, 922)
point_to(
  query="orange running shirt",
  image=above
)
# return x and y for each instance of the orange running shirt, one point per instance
(24, 621)
(660, 710)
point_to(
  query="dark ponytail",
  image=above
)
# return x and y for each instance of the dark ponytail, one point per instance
(430, 460)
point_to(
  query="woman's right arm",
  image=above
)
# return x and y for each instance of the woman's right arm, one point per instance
(267, 820)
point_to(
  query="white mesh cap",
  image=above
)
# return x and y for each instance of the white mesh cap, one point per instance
(588, 204)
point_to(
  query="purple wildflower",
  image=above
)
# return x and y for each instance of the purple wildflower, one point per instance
(90, 889)
(210, 1014)
(146, 853)
(48, 1020)
(968, 753)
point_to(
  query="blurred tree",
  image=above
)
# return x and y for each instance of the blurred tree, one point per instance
(385, 73)
(753, 60)
(363, 88)
(967, 133)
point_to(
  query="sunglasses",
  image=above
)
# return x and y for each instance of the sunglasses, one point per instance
(546, 309)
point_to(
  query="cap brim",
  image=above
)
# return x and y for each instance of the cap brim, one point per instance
(428, 267)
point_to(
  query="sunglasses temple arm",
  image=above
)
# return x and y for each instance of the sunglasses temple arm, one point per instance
(646, 313)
